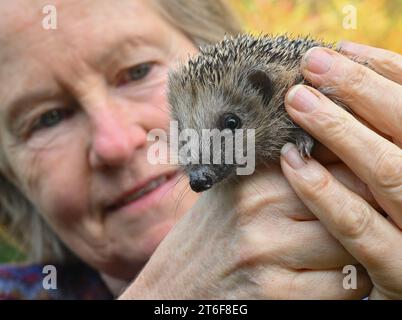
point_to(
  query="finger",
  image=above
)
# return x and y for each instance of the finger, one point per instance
(283, 200)
(267, 190)
(371, 96)
(311, 247)
(346, 176)
(323, 285)
(367, 235)
(384, 62)
(375, 160)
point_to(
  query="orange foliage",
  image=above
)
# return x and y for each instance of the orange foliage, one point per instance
(378, 22)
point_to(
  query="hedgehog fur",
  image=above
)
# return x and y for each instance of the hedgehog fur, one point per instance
(246, 76)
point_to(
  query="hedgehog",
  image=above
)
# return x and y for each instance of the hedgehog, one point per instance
(240, 83)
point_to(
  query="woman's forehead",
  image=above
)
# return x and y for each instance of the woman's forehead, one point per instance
(87, 30)
(83, 27)
(28, 19)
(37, 60)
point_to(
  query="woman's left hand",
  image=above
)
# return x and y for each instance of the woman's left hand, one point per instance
(371, 148)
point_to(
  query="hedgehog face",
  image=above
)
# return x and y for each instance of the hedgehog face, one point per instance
(214, 118)
(241, 80)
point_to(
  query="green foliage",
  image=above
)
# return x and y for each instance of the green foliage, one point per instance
(9, 253)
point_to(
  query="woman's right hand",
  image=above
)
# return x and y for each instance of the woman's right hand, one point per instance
(255, 240)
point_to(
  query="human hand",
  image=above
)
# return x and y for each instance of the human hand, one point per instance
(254, 240)
(371, 149)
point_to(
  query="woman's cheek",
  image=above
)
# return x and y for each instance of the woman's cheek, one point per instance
(64, 201)
(57, 184)
(159, 107)
(150, 99)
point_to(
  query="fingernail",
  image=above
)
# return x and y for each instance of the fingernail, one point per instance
(317, 60)
(301, 99)
(292, 156)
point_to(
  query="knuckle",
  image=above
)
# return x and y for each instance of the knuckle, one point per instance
(353, 219)
(250, 249)
(355, 79)
(387, 174)
(321, 184)
(386, 59)
(263, 243)
(252, 206)
(334, 126)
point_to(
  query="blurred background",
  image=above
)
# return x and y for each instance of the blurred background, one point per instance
(9, 250)
(374, 22)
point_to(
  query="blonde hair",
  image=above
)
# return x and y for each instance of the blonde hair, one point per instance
(203, 22)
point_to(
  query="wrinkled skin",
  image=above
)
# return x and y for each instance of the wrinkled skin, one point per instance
(94, 146)
(371, 149)
(83, 143)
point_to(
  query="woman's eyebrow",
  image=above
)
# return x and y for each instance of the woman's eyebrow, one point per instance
(119, 48)
(16, 107)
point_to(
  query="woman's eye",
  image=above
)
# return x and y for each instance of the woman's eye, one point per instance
(51, 118)
(138, 72)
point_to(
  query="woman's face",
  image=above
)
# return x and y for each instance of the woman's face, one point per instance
(76, 105)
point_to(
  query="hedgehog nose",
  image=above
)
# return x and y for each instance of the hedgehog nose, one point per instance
(199, 181)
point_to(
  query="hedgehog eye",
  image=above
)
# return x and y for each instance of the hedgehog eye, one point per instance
(230, 121)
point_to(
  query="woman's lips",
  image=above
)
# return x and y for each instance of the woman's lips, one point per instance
(147, 196)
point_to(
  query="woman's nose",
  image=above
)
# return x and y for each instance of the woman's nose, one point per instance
(114, 141)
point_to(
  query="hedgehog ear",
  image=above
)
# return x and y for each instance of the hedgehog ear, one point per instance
(260, 81)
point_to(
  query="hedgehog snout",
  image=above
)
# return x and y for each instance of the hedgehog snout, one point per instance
(200, 180)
